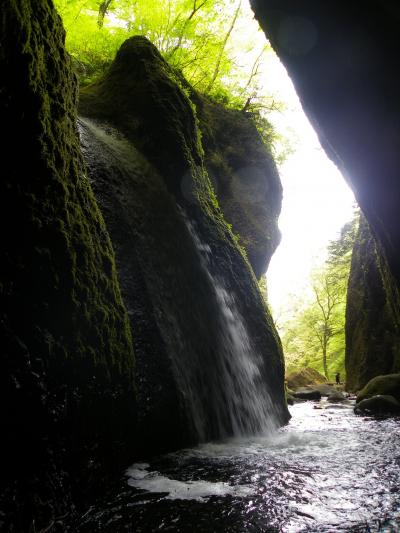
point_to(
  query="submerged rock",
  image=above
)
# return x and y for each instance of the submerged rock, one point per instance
(381, 404)
(290, 399)
(325, 389)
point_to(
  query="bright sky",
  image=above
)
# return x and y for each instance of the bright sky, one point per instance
(317, 202)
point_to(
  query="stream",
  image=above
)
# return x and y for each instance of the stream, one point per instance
(326, 471)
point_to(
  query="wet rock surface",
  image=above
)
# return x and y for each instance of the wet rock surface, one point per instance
(307, 394)
(387, 384)
(381, 404)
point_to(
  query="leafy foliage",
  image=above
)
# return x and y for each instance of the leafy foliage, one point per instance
(314, 334)
(215, 44)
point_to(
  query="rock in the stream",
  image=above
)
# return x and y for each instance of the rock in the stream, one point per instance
(381, 385)
(381, 404)
(302, 378)
(307, 394)
(325, 389)
(336, 397)
(290, 400)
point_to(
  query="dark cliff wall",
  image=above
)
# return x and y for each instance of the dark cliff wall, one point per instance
(162, 277)
(372, 324)
(245, 178)
(340, 58)
(66, 382)
(68, 400)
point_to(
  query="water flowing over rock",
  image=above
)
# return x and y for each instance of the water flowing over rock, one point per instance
(210, 330)
(240, 399)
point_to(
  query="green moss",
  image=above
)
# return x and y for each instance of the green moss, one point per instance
(68, 359)
(244, 176)
(372, 314)
(382, 385)
(139, 97)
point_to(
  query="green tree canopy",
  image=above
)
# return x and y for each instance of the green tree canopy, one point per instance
(313, 335)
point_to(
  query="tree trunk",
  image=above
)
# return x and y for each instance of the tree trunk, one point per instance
(221, 51)
(102, 12)
(324, 351)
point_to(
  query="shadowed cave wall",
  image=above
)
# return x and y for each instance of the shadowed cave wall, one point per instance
(341, 58)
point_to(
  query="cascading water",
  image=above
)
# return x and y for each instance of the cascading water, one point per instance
(223, 383)
(241, 401)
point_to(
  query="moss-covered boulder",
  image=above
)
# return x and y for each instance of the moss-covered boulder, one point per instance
(245, 178)
(180, 267)
(66, 372)
(303, 377)
(381, 404)
(381, 385)
(372, 314)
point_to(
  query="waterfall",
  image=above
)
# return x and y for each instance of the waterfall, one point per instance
(218, 374)
(240, 399)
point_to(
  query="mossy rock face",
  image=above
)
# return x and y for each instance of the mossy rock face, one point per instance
(67, 358)
(245, 178)
(141, 114)
(304, 377)
(372, 314)
(142, 95)
(381, 385)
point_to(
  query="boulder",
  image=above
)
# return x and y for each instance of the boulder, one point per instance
(381, 385)
(381, 404)
(336, 397)
(290, 400)
(307, 394)
(303, 377)
(325, 389)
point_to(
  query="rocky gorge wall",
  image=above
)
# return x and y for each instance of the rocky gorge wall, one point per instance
(163, 279)
(77, 305)
(372, 326)
(244, 176)
(67, 359)
(340, 58)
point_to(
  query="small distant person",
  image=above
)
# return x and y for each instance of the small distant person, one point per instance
(337, 376)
